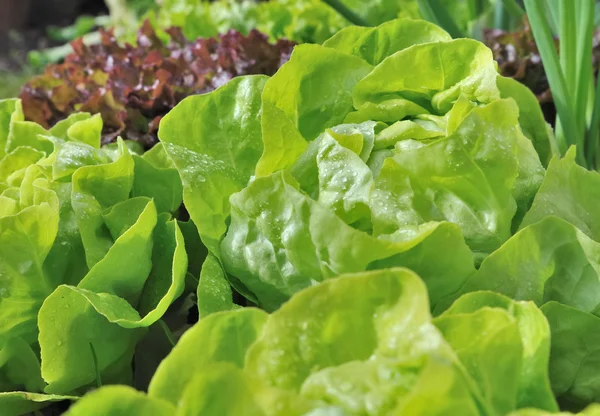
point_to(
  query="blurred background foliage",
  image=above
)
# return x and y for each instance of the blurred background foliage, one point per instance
(35, 33)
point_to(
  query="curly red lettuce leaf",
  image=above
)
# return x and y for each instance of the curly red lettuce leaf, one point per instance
(133, 87)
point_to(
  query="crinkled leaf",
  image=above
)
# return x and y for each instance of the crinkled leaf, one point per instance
(344, 320)
(426, 78)
(480, 323)
(225, 337)
(454, 179)
(281, 241)
(298, 105)
(375, 44)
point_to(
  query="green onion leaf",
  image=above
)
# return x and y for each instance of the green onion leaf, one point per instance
(545, 41)
(440, 17)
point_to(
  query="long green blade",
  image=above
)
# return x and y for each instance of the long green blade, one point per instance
(438, 15)
(553, 18)
(568, 43)
(512, 8)
(348, 14)
(585, 33)
(545, 41)
(592, 135)
(500, 16)
(474, 7)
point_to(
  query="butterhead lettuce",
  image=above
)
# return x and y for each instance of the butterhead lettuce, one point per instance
(380, 149)
(389, 232)
(90, 256)
(361, 344)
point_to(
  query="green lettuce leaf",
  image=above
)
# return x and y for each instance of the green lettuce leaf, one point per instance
(159, 182)
(104, 313)
(452, 179)
(375, 44)
(297, 106)
(592, 410)
(362, 344)
(215, 157)
(342, 182)
(281, 241)
(550, 260)
(10, 111)
(479, 322)
(19, 366)
(87, 262)
(120, 401)
(426, 79)
(226, 337)
(210, 392)
(79, 127)
(531, 117)
(372, 192)
(214, 291)
(95, 189)
(387, 148)
(568, 192)
(574, 354)
(26, 238)
(346, 310)
(311, 21)
(17, 403)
